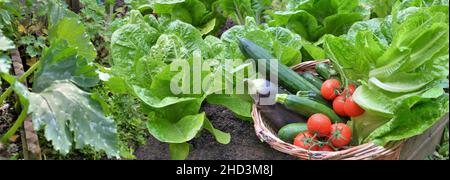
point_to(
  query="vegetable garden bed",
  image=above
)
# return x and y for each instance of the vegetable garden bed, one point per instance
(183, 79)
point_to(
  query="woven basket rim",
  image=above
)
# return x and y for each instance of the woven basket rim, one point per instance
(360, 152)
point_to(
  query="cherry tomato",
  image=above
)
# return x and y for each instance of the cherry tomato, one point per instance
(330, 89)
(340, 135)
(326, 148)
(319, 124)
(306, 141)
(338, 105)
(351, 108)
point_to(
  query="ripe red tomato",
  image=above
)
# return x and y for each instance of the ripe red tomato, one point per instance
(326, 148)
(350, 88)
(319, 124)
(338, 105)
(340, 135)
(351, 108)
(330, 89)
(306, 141)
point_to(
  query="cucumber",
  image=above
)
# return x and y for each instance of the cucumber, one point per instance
(287, 78)
(325, 70)
(306, 107)
(313, 79)
(287, 133)
(313, 96)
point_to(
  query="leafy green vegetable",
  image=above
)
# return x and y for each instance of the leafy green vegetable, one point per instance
(179, 151)
(202, 14)
(400, 60)
(238, 10)
(411, 122)
(311, 19)
(179, 132)
(233, 102)
(283, 44)
(383, 8)
(144, 71)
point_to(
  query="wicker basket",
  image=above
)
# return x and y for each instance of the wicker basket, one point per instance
(367, 151)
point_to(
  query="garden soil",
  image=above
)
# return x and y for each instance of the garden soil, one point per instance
(244, 144)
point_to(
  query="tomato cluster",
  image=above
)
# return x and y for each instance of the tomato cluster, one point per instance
(343, 103)
(322, 135)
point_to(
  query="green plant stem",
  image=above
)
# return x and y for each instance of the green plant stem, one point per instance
(22, 78)
(16, 125)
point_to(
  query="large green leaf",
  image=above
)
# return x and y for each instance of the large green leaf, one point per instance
(233, 102)
(314, 18)
(128, 44)
(151, 100)
(61, 62)
(5, 64)
(221, 137)
(175, 132)
(411, 122)
(70, 117)
(72, 31)
(5, 43)
(179, 151)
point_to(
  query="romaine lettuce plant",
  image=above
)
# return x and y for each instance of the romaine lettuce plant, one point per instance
(400, 61)
(312, 19)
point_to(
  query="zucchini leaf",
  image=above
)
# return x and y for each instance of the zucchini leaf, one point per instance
(5, 43)
(60, 62)
(70, 117)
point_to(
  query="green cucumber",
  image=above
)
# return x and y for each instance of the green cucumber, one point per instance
(288, 79)
(313, 96)
(325, 70)
(313, 79)
(306, 107)
(288, 132)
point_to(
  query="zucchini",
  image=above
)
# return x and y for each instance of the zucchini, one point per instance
(287, 78)
(313, 96)
(325, 70)
(313, 79)
(306, 107)
(287, 133)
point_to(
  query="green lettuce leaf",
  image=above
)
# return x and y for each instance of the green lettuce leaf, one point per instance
(411, 122)
(238, 10)
(283, 44)
(200, 13)
(314, 18)
(238, 105)
(175, 132)
(400, 61)
(179, 151)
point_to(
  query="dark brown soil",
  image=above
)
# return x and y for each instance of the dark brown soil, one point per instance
(244, 144)
(7, 118)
